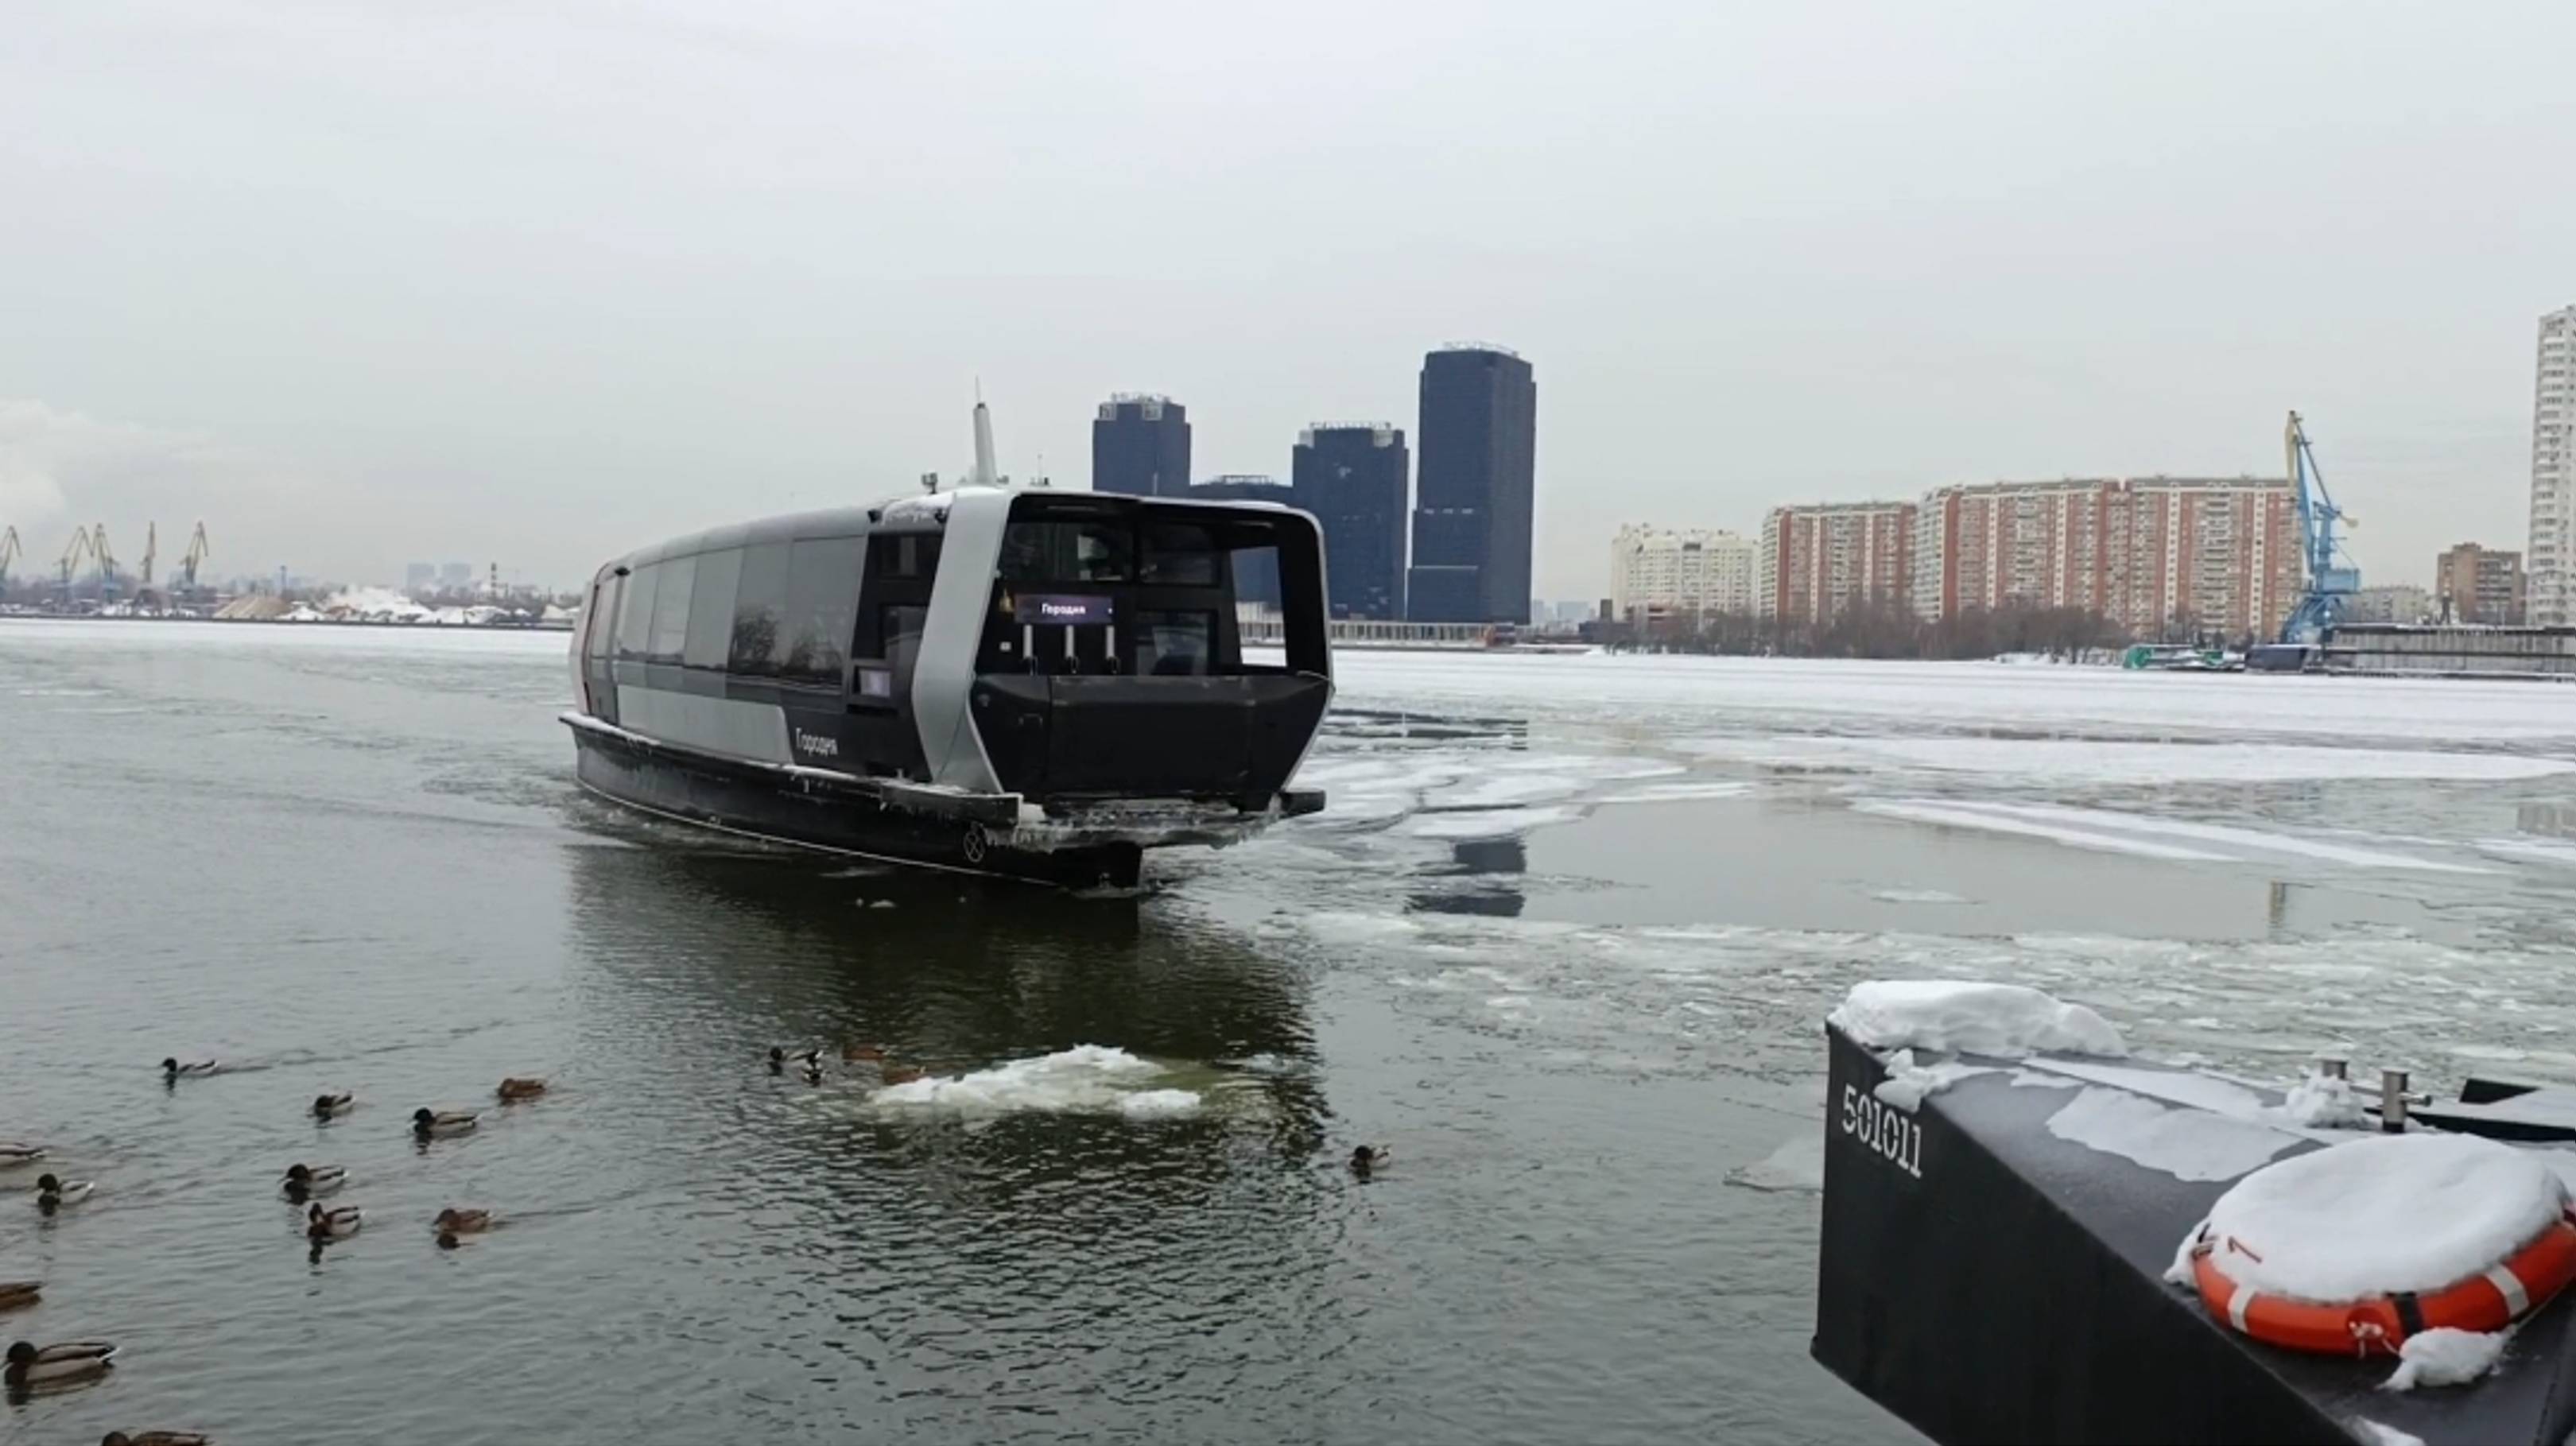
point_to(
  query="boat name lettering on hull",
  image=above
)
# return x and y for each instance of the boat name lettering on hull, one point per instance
(1896, 1136)
(817, 745)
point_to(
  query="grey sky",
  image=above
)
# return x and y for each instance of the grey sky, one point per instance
(535, 280)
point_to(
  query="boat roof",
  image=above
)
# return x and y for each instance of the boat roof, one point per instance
(912, 512)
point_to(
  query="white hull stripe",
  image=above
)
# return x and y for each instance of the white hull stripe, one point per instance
(2238, 1302)
(2509, 1285)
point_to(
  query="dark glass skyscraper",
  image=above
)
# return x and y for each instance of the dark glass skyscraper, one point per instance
(1354, 478)
(1472, 516)
(1140, 445)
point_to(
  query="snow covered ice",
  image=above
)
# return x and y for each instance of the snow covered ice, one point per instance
(2446, 1357)
(1974, 1018)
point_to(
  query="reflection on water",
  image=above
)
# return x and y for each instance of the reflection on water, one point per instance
(1485, 873)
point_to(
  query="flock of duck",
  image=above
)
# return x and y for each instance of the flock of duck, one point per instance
(75, 1362)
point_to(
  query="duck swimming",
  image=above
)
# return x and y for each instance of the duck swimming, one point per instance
(777, 1060)
(327, 1107)
(171, 1069)
(337, 1224)
(14, 1154)
(303, 1180)
(863, 1054)
(31, 1364)
(435, 1124)
(515, 1089)
(1366, 1158)
(157, 1438)
(895, 1074)
(452, 1221)
(53, 1192)
(16, 1294)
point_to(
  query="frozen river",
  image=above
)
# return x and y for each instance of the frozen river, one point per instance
(1563, 941)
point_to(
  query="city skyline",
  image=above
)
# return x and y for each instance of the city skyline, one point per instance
(543, 314)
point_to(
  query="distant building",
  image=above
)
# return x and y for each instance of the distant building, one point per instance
(1472, 519)
(1256, 577)
(2391, 603)
(1140, 446)
(1660, 576)
(419, 577)
(1355, 477)
(456, 575)
(1818, 560)
(2552, 587)
(2480, 585)
(2154, 554)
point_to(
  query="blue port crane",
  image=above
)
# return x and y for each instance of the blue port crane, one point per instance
(2330, 579)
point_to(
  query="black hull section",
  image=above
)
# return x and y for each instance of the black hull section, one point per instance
(1990, 1282)
(816, 814)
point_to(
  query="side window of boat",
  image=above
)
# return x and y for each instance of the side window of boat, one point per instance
(671, 609)
(599, 619)
(635, 613)
(822, 606)
(711, 604)
(760, 613)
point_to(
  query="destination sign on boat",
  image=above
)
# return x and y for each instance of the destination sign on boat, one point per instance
(1061, 609)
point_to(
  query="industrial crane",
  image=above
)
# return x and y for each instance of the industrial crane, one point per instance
(106, 562)
(196, 555)
(2331, 578)
(151, 550)
(8, 555)
(72, 556)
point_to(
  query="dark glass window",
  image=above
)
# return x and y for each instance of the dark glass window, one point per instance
(904, 555)
(822, 606)
(1067, 552)
(635, 614)
(1174, 643)
(1179, 554)
(759, 612)
(1256, 575)
(599, 620)
(671, 609)
(903, 623)
(711, 608)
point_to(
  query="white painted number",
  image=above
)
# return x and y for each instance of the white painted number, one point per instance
(1894, 1134)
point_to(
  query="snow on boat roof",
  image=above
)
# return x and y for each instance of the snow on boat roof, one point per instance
(2382, 1214)
(2009, 1020)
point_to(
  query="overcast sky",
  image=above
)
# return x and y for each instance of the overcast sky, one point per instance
(533, 281)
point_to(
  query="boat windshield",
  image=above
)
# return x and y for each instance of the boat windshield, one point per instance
(1123, 590)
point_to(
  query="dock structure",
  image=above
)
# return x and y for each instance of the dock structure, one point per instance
(2456, 650)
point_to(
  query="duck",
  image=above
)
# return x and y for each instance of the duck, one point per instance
(777, 1060)
(31, 1364)
(171, 1069)
(813, 1074)
(1365, 1158)
(54, 1192)
(157, 1438)
(895, 1074)
(304, 1180)
(331, 1106)
(863, 1054)
(337, 1224)
(13, 1154)
(452, 1221)
(432, 1124)
(514, 1089)
(18, 1294)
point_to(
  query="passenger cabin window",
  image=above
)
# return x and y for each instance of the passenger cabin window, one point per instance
(1143, 595)
(635, 614)
(893, 608)
(599, 620)
(711, 601)
(822, 606)
(1176, 644)
(1067, 551)
(760, 613)
(671, 591)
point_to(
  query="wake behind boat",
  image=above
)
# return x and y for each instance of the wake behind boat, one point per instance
(999, 680)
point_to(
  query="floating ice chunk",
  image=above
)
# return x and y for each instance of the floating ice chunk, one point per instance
(1158, 1104)
(1678, 793)
(1960, 815)
(1485, 823)
(1510, 788)
(2445, 1357)
(2187, 1144)
(1918, 896)
(1908, 1082)
(2383, 1214)
(1086, 1078)
(2226, 836)
(1964, 1016)
(1799, 1164)
(2373, 1433)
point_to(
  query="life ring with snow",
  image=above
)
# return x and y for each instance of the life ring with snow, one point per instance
(2489, 1301)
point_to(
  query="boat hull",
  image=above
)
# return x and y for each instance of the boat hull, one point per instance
(797, 807)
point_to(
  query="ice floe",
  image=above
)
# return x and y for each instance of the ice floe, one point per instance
(1087, 1078)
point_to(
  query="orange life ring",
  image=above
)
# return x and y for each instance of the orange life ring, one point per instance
(2488, 1301)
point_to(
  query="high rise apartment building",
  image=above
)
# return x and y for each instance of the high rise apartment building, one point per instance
(1660, 575)
(1356, 478)
(2481, 585)
(2551, 557)
(1816, 561)
(1140, 446)
(1473, 508)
